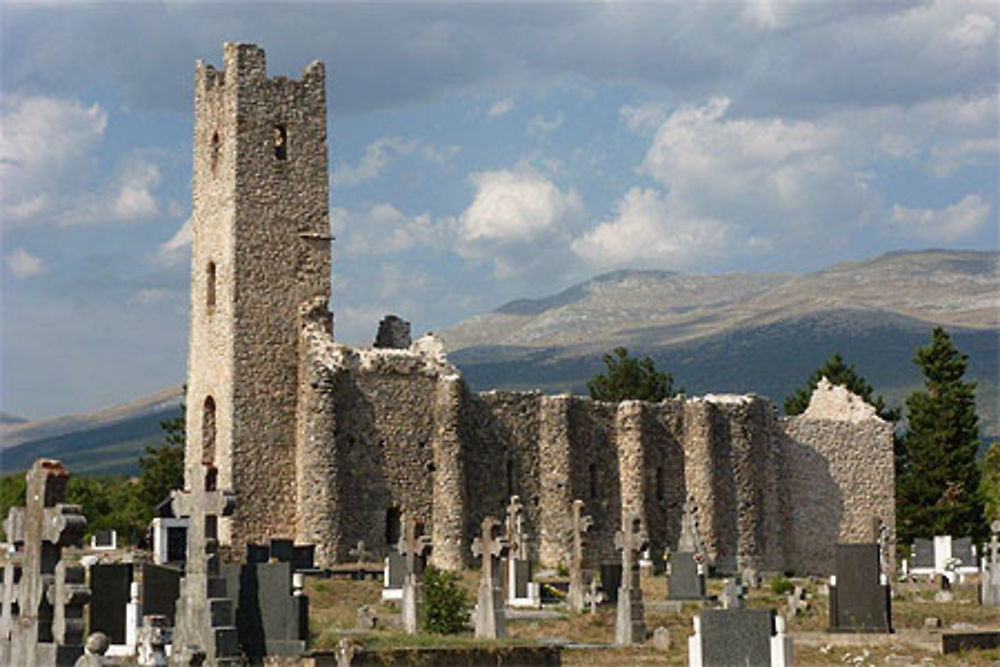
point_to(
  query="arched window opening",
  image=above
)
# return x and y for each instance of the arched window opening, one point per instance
(392, 516)
(280, 141)
(215, 150)
(208, 431)
(592, 470)
(210, 285)
(660, 491)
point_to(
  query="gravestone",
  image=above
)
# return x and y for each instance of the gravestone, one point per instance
(414, 547)
(395, 573)
(104, 540)
(270, 619)
(110, 593)
(581, 524)
(489, 620)
(962, 551)
(169, 540)
(611, 581)
(733, 594)
(521, 590)
(282, 550)
(686, 566)
(630, 625)
(744, 637)
(303, 557)
(860, 598)
(161, 586)
(41, 620)
(360, 554)
(989, 587)
(923, 554)
(152, 642)
(205, 624)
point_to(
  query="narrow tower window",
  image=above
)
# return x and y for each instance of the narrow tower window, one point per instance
(215, 150)
(280, 142)
(208, 431)
(210, 285)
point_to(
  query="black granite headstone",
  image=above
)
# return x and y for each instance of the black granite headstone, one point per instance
(303, 556)
(258, 553)
(269, 619)
(737, 637)
(109, 597)
(611, 581)
(161, 585)
(176, 544)
(962, 550)
(522, 575)
(282, 550)
(104, 538)
(923, 553)
(984, 640)
(684, 582)
(859, 602)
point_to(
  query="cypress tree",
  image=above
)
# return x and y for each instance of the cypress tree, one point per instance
(937, 490)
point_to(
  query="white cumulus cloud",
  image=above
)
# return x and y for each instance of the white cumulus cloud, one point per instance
(22, 264)
(382, 229)
(500, 107)
(947, 224)
(382, 153)
(177, 248)
(513, 206)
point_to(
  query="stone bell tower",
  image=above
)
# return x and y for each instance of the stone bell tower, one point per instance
(261, 246)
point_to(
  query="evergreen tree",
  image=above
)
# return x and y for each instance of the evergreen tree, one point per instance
(937, 490)
(163, 467)
(839, 373)
(989, 481)
(630, 378)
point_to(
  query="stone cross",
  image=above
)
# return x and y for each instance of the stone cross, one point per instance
(732, 594)
(413, 544)
(204, 620)
(995, 542)
(630, 627)
(515, 529)
(48, 593)
(690, 540)
(989, 586)
(360, 552)
(489, 610)
(581, 524)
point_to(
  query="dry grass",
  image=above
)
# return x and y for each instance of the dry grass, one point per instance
(334, 604)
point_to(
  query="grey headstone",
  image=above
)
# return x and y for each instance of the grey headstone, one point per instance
(522, 575)
(269, 619)
(303, 556)
(258, 553)
(962, 550)
(923, 553)
(109, 586)
(611, 581)
(161, 585)
(859, 602)
(684, 582)
(104, 538)
(397, 569)
(737, 637)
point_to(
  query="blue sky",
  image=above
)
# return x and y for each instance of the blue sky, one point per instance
(481, 153)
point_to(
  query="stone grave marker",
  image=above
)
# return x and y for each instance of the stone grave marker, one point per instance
(204, 622)
(414, 547)
(581, 524)
(104, 540)
(110, 593)
(860, 598)
(393, 575)
(41, 621)
(745, 637)
(686, 566)
(161, 586)
(490, 619)
(360, 554)
(923, 554)
(798, 601)
(153, 639)
(989, 587)
(270, 619)
(630, 625)
(521, 590)
(733, 594)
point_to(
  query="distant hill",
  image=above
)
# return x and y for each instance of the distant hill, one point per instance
(7, 418)
(760, 333)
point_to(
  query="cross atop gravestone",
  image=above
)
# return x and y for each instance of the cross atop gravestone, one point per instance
(516, 538)
(989, 586)
(733, 594)
(203, 505)
(630, 626)
(50, 594)
(489, 610)
(994, 547)
(361, 553)
(581, 524)
(413, 544)
(690, 540)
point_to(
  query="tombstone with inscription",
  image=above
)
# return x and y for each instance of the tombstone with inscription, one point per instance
(860, 598)
(745, 637)
(686, 566)
(611, 581)
(954, 558)
(41, 620)
(161, 586)
(577, 590)
(205, 623)
(989, 587)
(630, 625)
(414, 547)
(489, 619)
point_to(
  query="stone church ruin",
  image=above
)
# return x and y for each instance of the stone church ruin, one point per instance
(329, 444)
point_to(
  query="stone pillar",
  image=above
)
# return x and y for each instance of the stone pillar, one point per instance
(702, 464)
(556, 499)
(631, 459)
(448, 509)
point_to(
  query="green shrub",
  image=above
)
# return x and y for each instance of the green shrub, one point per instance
(446, 605)
(781, 585)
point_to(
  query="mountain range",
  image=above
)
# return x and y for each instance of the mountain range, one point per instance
(760, 333)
